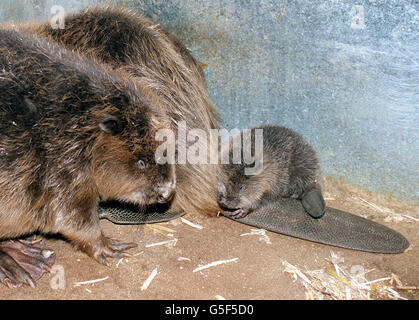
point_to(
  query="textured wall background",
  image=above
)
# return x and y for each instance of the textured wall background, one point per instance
(343, 73)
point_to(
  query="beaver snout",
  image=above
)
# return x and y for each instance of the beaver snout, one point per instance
(166, 193)
(225, 200)
(230, 204)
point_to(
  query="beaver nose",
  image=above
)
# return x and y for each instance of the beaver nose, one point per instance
(166, 193)
(227, 201)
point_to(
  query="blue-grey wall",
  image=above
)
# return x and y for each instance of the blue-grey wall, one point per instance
(343, 73)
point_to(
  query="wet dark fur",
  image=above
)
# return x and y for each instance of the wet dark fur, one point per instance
(290, 168)
(164, 71)
(72, 133)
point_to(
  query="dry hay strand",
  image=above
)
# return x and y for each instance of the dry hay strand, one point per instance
(336, 282)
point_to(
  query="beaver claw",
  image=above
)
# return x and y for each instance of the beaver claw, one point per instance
(24, 262)
(237, 214)
(110, 248)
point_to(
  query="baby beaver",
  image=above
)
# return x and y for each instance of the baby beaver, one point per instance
(289, 168)
(72, 133)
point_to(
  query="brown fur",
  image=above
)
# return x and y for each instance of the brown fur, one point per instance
(164, 71)
(290, 167)
(72, 133)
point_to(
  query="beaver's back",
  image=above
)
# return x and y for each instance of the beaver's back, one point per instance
(294, 154)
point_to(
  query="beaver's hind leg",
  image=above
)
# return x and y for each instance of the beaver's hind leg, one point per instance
(313, 202)
(24, 262)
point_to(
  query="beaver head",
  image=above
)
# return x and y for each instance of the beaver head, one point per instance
(243, 181)
(232, 186)
(123, 154)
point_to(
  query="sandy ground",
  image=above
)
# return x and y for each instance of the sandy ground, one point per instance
(259, 272)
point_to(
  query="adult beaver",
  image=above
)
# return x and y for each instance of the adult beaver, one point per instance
(284, 165)
(72, 133)
(165, 72)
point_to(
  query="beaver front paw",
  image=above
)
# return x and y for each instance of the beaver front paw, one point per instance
(237, 214)
(24, 262)
(105, 248)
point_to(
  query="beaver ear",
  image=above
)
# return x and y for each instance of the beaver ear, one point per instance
(111, 124)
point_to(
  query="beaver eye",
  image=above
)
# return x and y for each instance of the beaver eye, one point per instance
(111, 125)
(241, 188)
(141, 164)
